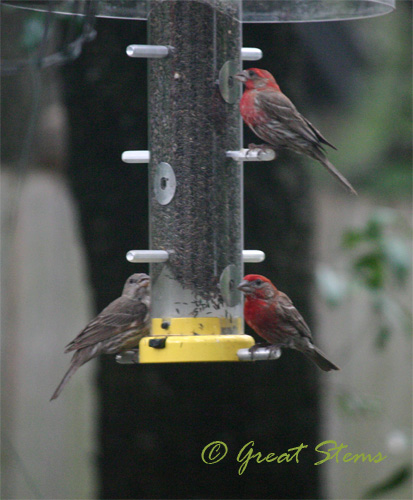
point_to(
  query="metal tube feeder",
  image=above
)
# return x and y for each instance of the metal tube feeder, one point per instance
(195, 190)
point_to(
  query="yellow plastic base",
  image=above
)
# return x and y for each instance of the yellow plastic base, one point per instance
(181, 340)
(185, 348)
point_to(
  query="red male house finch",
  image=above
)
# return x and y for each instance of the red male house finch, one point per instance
(275, 119)
(272, 315)
(119, 327)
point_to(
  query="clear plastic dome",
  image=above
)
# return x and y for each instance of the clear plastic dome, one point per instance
(253, 11)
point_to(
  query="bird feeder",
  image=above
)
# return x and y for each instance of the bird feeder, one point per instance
(196, 159)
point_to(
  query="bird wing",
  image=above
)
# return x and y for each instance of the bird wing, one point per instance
(320, 137)
(279, 108)
(291, 316)
(122, 314)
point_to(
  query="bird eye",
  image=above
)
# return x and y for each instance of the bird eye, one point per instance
(132, 280)
(251, 74)
(258, 282)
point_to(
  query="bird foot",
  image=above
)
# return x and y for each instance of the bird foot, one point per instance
(260, 147)
(274, 351)
(255, 347)
(263, 152)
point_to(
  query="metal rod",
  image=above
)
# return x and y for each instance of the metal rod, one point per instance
(148, 256)
(251, 54)
(148, 51)
(259, 354)
(253, 256)
(160, 51)
(136, 156)
(256, 154)
(241, 155)
(128, 357)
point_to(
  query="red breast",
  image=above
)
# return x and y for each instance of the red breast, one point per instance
(251, 114)
(260, 315)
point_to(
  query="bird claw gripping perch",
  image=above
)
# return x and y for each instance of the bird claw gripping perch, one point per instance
(254, 154)
(261, 151)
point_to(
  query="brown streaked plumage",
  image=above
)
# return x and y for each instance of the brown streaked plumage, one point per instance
(274, 118)
(119, 327)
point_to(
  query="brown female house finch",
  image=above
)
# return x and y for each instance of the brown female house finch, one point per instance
(119, 327)
(272, 315)
(275, 119)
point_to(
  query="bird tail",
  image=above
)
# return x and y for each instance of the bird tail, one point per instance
(334, 172)
(319, 358)
(75, 363)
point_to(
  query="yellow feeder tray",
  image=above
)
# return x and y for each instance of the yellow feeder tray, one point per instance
(193, 340)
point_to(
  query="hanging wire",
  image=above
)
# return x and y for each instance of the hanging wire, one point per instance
(69, 50)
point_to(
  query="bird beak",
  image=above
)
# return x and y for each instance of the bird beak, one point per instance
(245, 286)
(241, 77)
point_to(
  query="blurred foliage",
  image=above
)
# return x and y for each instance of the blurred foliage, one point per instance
(398, 478)
(378, 261)
(373, 131)
(354, 404)
(43, 39)
(32, 32)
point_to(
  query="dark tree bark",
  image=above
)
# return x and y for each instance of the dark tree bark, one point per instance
(156, 419)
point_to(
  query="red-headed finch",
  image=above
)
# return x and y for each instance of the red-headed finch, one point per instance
(119, 327)
(272, 315)
(275, 119)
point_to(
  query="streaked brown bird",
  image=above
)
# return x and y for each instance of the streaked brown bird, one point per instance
(271, 314)
(274, 118)
(119, 327)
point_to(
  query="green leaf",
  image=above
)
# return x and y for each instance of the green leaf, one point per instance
(374, 229)
(370, 269)
(351, 238)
